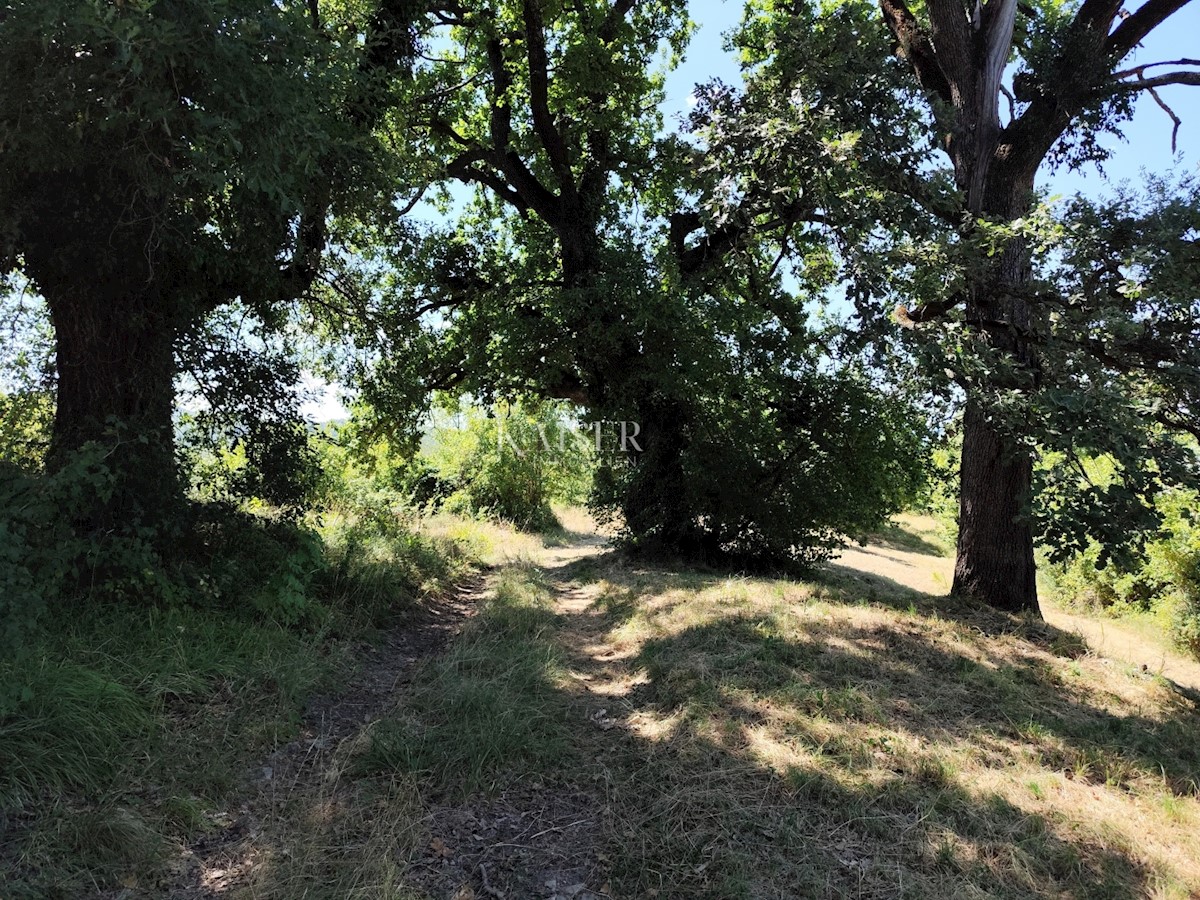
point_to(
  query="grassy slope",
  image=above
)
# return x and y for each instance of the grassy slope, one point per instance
(143, 726)
(761, 738)
(648, 733)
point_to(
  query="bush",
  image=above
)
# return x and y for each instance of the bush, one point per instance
(802, 461)
(511, 462)
(1162, 580)
(253, 563)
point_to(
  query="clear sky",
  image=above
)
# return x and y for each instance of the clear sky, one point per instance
(1147, 138)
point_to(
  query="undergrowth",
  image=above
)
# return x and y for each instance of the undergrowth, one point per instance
(128, 725)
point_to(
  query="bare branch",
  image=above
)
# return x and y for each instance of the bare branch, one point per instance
(927, 312)
(1149, 16)
(1140, 70)
(1145, 84)
(1012, 102)
(412, 204)
(1174, 118)
(464, 169)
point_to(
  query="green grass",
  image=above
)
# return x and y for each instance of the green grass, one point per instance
(491, 706)
(138, 725)
(760, 738)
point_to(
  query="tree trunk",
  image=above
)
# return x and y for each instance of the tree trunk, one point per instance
(994, 561)
(995, 542)
(116, 374)
(96, 247)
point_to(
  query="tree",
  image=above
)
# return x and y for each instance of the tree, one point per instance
(597, 262)
(974, 250)
(160, 159)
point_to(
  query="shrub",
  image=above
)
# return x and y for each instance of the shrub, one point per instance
(1162, 579)
(802, 461)
(511, 462)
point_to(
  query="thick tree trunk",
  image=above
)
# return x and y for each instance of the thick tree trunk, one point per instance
(995, 542)
(98, 253)
(116, 389)
(995, 562)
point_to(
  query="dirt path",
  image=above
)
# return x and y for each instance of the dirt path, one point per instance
(535, 837)
(932, 573)
(225, 862)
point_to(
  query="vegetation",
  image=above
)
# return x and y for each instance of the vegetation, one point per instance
(511, 463)
(1162, 582)
(380, 650)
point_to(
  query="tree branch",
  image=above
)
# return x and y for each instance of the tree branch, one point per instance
(463, 168)
(539, 96)
(1149, 84)
(535, 195)
(616, 13)
(1140, 70)
(916, 48)
(1130, 33)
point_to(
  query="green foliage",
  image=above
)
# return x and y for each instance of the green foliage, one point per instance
(247, 436)
(47, 560)
(261, 565)
(25, 421)
(1161, 578)
(26, 377)
(511, 462)
(223, 114)
(1120, 371)
(800, 462)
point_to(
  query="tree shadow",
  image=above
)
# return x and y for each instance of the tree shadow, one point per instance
(894, 536)
(826, 757)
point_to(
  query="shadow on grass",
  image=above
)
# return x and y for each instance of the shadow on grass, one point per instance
(895, 536)
(823, 757)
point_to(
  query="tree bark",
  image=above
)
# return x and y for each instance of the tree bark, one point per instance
(96, 251)
(994, 561)
(115, 360)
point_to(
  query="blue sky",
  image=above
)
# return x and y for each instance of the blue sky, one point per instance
(1148, 136)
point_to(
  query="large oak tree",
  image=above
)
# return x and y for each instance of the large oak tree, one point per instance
(999, 91)
(159, 159)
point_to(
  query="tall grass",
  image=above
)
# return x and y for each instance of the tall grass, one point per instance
(133, 724)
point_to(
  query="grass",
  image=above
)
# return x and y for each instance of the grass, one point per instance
(773, 738)
(670, 734)
(490, 706)
(138, 728)
(892, 748)
(138, 725)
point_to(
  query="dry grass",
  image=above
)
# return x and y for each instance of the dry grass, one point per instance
(603, 728)
(786, 739)
(750, 737)
(491, 543)
(339, 835)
